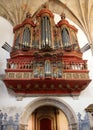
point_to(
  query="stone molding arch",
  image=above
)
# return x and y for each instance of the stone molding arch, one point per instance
(73, 123)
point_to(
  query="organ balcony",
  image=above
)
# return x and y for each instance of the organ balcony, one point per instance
(46, 58)
(50, 74)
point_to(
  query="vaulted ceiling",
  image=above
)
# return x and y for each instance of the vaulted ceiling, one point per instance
(79, 11)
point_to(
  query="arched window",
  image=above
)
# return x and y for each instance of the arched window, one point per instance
(65, 37)
(47, 68)
(45, 32)
(74, 41)
(17, 42)
(73, 38)
(26, 37)
(35, 73)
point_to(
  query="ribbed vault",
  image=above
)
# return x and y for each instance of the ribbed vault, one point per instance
(79, 11)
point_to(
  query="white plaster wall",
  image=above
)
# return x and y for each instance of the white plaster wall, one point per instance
(8, 102)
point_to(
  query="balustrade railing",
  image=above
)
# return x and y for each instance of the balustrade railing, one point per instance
(39, 70)
(75, 65)
(64, 66)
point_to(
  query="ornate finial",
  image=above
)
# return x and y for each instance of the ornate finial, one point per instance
(28, 15)
(46, 5)
(63, 16)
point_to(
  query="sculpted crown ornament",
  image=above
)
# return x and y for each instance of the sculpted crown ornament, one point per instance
(63, 16)
(28, 15)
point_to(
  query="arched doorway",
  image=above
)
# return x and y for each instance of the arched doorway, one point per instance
(37, 108)
(48, 118)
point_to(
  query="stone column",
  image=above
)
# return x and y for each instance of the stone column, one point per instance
(56, 118)
(73, 127)
(23, 126)
(35, 120)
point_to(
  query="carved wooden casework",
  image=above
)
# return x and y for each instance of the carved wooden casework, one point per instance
(46, 58)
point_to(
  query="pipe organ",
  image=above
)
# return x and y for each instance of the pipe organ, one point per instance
(46, 58)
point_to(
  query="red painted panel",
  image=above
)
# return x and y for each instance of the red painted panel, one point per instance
(45, 124)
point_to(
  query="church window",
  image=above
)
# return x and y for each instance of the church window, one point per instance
(59, 73)
(73, 38)
(47, 67)
(35, 73)
(17, 42)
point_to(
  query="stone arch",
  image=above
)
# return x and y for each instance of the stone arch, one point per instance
(73, 124)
